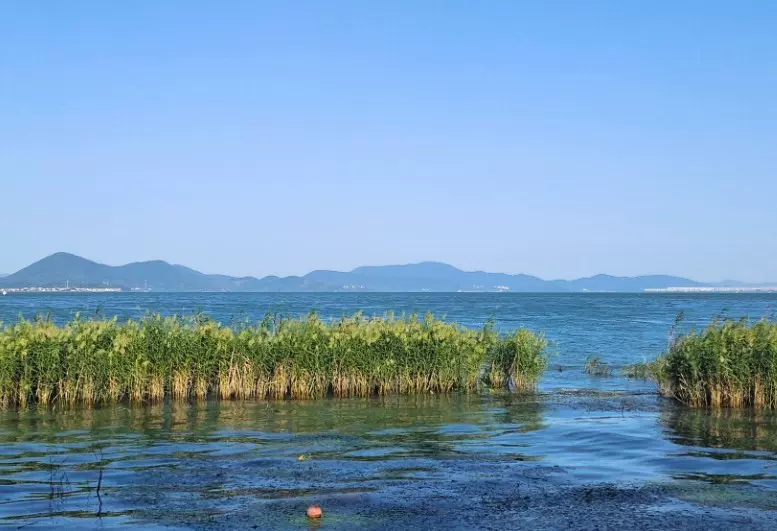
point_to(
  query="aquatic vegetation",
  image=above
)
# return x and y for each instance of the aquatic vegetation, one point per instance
(519, 358)
(596, 367)
(641, 370)
(728, 364)
(106, 361)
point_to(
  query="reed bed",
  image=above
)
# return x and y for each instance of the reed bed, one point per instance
(728, 364)
(106, 361)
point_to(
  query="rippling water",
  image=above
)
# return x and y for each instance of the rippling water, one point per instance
(583, 453)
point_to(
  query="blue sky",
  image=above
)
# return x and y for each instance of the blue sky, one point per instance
(559, 139)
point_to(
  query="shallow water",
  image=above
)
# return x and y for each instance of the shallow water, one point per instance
(458, 461)
(584, 453)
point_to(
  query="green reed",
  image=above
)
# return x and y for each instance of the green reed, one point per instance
(728, 364)
(595, 366)
(640, 371)
(519, 357)
(107, 361)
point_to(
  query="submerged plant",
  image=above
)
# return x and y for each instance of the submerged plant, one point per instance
(596, 367)
(106, 361)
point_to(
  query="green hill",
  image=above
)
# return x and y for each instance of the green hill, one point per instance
(60, 269)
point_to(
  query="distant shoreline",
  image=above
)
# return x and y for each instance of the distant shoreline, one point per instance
(713, 289)
(59, 290)
(56, 270)
(657, 291)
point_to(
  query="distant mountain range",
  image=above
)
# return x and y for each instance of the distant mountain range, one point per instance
(61, 268)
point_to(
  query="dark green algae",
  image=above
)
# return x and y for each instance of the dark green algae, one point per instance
(566, 460)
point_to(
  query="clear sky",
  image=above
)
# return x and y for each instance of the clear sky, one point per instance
(556, 138)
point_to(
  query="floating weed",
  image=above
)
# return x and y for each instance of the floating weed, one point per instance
(721, 494)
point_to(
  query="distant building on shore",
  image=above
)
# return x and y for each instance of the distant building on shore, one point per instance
(714, 289)
(68, 289)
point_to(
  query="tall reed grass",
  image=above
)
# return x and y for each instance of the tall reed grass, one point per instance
(728, 364)
(106, 361)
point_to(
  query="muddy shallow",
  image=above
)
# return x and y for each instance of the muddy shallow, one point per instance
(563, 460)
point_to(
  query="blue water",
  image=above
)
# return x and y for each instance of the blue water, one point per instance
(583, 453)
(620, 328)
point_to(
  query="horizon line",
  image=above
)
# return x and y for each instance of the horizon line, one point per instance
(415, 263)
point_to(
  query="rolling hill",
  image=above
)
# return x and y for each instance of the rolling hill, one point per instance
(61, 268)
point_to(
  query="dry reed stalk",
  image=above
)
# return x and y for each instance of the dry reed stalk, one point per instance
(181, 384)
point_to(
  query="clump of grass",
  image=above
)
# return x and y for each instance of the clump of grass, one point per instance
(106, 361)
(729, 364)
(596, 367)
(637, 371)
(519, 359)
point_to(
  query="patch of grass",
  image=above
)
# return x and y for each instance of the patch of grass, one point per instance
(596, 367)
(107, 361)
(728, 364)
(636, 371)
(519, 358)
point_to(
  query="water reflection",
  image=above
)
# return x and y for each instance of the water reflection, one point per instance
(723, 448)
(191, 421)
(723, 428)
(376, 463)
(77, 464)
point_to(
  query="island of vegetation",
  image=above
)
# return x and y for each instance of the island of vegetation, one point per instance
(88, 362)
(731, 363)
(106, 361)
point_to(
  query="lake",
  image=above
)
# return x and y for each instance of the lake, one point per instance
(584, 452)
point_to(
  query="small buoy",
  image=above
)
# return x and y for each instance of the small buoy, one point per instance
(314, 511)
(301, 458)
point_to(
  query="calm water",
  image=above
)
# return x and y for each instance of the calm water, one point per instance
(583, 453)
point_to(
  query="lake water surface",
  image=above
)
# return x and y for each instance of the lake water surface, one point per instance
(583, 453)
